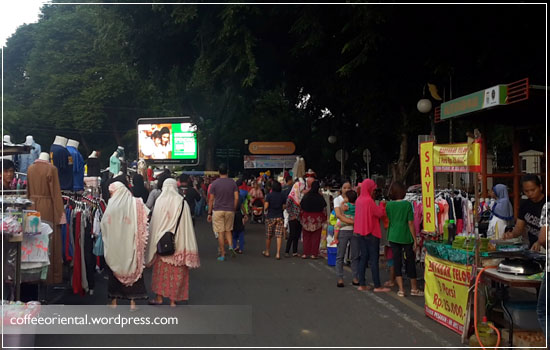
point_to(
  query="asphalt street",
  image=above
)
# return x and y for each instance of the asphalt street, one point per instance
(294, 302)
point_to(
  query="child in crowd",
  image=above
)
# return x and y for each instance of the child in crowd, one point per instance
(348, 207)
(389, 263)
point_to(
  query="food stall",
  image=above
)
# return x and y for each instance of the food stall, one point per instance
(469, 276)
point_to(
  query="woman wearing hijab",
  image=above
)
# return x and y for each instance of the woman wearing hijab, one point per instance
(171, 273)
(293, 209)
(139, 189)
(124, 232)
(312, 218)
(502, 213)
(367, 228)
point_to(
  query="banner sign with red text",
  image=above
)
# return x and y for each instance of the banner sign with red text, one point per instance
(428, 183)
(446, 292)
(457, 157)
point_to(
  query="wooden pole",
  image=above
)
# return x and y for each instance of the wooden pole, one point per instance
(517, 171)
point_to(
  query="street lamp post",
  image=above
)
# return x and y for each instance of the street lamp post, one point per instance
(425, 106)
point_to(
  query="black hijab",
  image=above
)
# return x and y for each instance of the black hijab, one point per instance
(313, 201)
(105, 186)
(139, 190)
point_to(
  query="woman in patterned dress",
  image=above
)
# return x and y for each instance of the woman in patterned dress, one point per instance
(171, 273)
(312, 218)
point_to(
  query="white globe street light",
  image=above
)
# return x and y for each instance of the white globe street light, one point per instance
(332, 139)
(424, 105)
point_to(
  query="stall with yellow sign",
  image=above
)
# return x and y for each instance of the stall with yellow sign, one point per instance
(447, 282)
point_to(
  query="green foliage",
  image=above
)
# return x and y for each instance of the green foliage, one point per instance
(89, 71)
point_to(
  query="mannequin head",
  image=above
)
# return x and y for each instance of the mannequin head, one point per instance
(44, 156)
(61, 141)
(73, 143)
(29, 141)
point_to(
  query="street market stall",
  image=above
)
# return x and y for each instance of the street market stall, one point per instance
(457, 267)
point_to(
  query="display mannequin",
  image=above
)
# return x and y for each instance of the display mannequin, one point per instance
(44, 156)
(44, 191)
(93, 165)
(114, 164)
(78, 165)
(63, 161)
(25, 160)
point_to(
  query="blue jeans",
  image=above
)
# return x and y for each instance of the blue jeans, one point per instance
(541, 306)
(238, 235)
(369, 247)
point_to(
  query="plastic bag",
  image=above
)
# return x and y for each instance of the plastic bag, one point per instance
(98, 246)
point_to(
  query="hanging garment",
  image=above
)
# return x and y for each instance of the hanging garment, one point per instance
(25, 160)
(77, 262)
(84, 278)
(43, 190)
(114, 165)
(94, 168)
(63, 161)
(417, 216)
(78, 168)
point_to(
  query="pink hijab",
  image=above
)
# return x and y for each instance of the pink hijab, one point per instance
(367, 213)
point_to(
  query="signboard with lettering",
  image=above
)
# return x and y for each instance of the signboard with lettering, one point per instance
(446, 292)
(457, 157)
(428, 183)
(491, 97)
(272, 147)
(269, 162)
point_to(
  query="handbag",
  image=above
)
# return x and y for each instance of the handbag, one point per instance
(167, 245)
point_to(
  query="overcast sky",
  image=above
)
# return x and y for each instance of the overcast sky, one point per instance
(14, 13)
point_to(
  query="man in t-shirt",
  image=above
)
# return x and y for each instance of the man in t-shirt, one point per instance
(223, 201)
(189, 193)
(288, 186)
(529, 211)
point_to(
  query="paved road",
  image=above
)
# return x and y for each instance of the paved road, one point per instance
(294, 302)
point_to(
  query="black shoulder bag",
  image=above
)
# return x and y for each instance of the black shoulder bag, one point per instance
(166, 245)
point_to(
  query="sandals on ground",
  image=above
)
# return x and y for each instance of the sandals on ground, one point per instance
(417, 293)
(389, 284)
(264, 254)
(401, 294)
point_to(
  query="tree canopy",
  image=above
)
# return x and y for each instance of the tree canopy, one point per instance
(261, 72)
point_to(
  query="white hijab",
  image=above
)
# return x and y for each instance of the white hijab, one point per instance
(124, 230)
(165, 215)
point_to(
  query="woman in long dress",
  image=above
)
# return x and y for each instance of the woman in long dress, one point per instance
(124, 231)
(171, 273)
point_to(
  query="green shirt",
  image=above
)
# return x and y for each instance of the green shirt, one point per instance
(399, 214)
